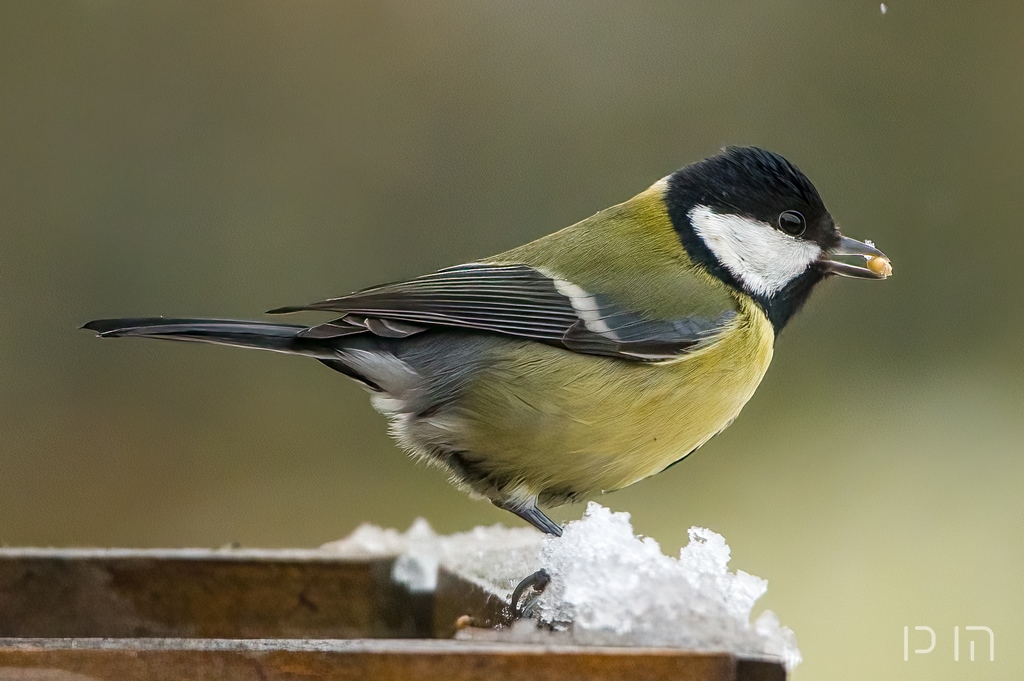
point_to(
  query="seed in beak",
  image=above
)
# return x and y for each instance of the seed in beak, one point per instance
(880, 266)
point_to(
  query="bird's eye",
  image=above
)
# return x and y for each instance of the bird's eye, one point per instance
(792, 223)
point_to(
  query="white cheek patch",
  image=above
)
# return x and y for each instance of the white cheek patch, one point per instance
(762, 258)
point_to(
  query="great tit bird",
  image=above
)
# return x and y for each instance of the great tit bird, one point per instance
(590, 358)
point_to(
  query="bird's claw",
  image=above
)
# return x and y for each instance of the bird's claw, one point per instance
(538, 581)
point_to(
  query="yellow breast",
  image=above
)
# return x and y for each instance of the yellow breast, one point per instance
(564, 424)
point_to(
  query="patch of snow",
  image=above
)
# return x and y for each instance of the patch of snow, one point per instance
(495, 558)
(608, 586)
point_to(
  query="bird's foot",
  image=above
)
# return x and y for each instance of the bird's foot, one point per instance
(527, 593)
(538, 581)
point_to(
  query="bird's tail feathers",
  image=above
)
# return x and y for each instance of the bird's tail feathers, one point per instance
(243, 334)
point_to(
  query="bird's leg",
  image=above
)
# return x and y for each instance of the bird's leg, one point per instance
(530, 513)
(539, 580)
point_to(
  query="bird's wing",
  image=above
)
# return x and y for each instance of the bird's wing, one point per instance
(516, 300)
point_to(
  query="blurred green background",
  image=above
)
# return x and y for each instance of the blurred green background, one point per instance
(219, 159)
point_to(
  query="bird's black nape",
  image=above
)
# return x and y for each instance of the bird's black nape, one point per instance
(760, 185)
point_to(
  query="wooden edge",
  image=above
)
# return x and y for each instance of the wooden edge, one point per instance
(226, 553)
(369, 659)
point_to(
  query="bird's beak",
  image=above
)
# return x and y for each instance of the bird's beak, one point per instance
(878, 265)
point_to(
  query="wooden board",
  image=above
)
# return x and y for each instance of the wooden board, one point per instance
(197, 614)
(200, 593)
